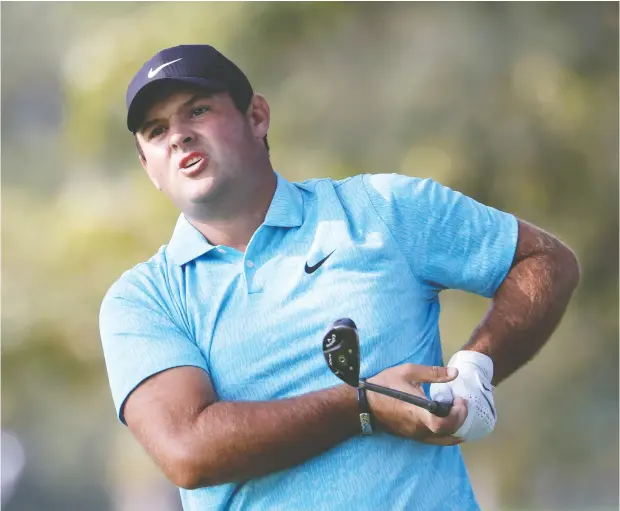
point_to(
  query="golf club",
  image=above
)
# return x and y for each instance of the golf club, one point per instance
(341, 349)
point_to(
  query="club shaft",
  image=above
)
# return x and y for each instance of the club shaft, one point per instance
(435, 407)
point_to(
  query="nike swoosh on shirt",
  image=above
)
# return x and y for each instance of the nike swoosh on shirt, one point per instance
(153, 72)
(312, 269)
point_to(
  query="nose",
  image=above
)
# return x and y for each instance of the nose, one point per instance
(180, 141)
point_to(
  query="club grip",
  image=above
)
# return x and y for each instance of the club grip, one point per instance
(440, 409)
(435, 407)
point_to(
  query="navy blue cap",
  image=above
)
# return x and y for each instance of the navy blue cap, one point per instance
(198, 64)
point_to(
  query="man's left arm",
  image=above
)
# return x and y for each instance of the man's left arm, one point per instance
(528, 305)
(452, 241)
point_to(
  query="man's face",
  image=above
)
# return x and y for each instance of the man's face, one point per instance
(198, 147)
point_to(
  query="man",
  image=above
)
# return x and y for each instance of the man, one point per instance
(213, 346)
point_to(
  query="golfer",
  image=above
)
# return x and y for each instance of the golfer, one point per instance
(213, 345)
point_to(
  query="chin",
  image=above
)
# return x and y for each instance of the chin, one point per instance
(199, 190)
(202, 197)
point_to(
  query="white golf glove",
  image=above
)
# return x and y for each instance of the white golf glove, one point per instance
(473, 384)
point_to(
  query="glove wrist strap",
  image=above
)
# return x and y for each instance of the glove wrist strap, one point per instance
(480, 360)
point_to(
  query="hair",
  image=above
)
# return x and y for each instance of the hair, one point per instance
(242, 105)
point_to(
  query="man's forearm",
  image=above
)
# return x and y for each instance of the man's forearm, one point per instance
(234, 441)
(528, 306)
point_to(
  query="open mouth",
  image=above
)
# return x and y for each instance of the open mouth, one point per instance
(193, 162)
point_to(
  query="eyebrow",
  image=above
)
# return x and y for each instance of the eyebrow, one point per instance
(196, 97)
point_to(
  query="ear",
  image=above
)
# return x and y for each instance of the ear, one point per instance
(259, 116)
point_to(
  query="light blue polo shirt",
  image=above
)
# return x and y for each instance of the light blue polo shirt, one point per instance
(254, 321)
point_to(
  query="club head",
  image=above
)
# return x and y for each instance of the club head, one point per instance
(341, 349)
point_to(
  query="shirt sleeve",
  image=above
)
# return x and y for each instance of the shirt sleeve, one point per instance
(140, 336)
(450, 240)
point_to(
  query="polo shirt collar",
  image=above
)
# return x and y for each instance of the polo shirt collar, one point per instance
(287, 205)
(187, 243)
(286, 210)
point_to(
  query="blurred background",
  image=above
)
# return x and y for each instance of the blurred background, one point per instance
(515, 104)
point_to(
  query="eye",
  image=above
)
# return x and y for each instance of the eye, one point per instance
(199, 110)
(155, 132)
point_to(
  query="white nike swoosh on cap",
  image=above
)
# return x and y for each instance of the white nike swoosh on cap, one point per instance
(153, 72)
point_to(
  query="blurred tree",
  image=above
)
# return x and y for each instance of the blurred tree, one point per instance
(515, 104)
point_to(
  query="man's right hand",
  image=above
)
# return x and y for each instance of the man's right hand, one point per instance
(410, 421)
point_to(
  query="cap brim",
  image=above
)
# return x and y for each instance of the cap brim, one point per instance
(143, 99)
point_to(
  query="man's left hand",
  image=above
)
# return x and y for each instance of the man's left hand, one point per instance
(474, 385)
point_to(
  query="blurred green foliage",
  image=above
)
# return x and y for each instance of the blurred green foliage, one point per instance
(515, 104)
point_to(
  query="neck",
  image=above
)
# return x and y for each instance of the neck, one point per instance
(237, 230)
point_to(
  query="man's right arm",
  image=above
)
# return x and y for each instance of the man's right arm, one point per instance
(199, 441)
